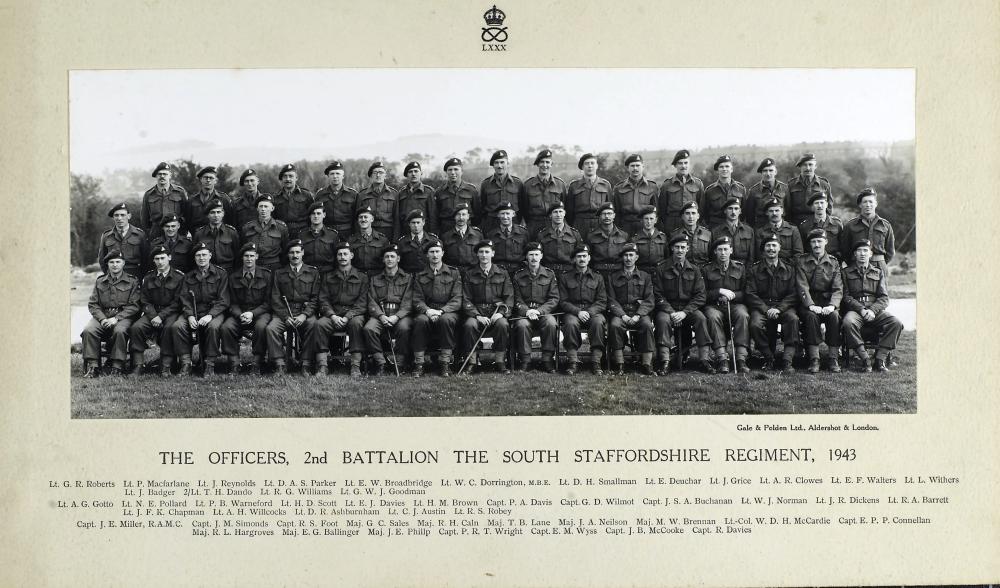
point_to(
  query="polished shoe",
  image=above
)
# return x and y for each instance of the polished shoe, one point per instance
(647, 370)
(137, 370)
(707, 367)
(91, 372)
(418, 370)
(664, 369)
(596, 369)
(572, 368)
(550, 366)
(723, 366)
(502, 368)
(618, 370)
(786, 366)
(209, 370)
(742, 367)
(834, 365)
(281, 369)
(116, 371)
(255, 369)
(185, 370)
(868, 366)
(890, 360)
(445, 370)
(355, 371)
(524, 366)
(323, 370)
(814, 365)
(379, 370)
(768, 363)
(880, 366)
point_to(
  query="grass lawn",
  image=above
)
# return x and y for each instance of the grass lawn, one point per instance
(536, 393)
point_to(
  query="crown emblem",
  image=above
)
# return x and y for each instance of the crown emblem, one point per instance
(494, 16)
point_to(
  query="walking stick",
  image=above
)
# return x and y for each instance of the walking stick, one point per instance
(295, 331)
(392, 344)
(476, 344)
(194, 332)
(732, 340)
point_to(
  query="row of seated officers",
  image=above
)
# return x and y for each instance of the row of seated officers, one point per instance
(721, 300)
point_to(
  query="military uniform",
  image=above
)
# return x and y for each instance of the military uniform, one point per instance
(583, 199)
(293, 208)
(788, 236)
(344, 295)
(753, 211)
(411, 251)
(270, 240)
(833, 226)
(248, 294)
(384, 207)
(540, 292)
(319, 248)
(743, 240)
(777, 287)
(629, 199)
(481, 293)
(301, 288)
(821, 285)
(538, 196)
(223, 242)
(368, 250)
(133, 246)
(117, 299)
(674, 194)
(492, 192)
(179, 248)
(156, 205)
(878, 231)
(652, 249)
(865, 288)
(797, 207)
(558, 246)
(630, 295)
(389, 295)
(679, 289)
(341, 208)
(699, 243)
(605, 249)
(211, 297)
(159, 297)
(460, 248)
(509, 247)
(440, 291)
(583, 291)
(197, 209)
(713, 203)
(733, 277)
(420, 197)
(441, 209)
(243, 208)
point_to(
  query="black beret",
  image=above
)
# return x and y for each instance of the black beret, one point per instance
(817, 195)
(113, 254)
(682, 154)
(629, 248)
(769, 238)
(208, 169)
(452, 162)
(414, 214)
(556, 206)
(861, 243)
(432, 244)
(581, 248)
(506, 205)
(605, 206)
(483, 243)
(648, 209)
(288, 167)
(635, 157)
(342, 245)
(689, 204)
(767, 161)
(263, 198)
(159, 249)
(533, 246)
(294, 243)
(731, 201)
(246, 174)
(334, 165)
(722, 159)
(501, 154)
(116, 208)
(251, 246)
(460, 207)
(391, 249)
(865, 192)
(816, 234)
(169, 219)
(200, 246)
(723, 240)
(163, 165)
(772, 202)
(543, 154)
(678, 238)
(585, 157)
(412, 165)
(805, 157)
(375, 166)
(215, 204)
(317, 205)
(364, 210)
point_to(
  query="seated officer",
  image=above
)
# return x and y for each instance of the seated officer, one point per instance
(319, 241)
(294, 299)
(160, 301)
(771, 294)
(114, 303)
(605, 242)
(488, 299)
(699, 237)
(343, 297)
(743, 238)
(679, 288)
(650, 242)
(367, 244)
(249, 309)
(788, 236)
(460, 240)
(269, 234)
(412, 258)
(583, 299)
(437, 298)
(390, 302)
(865, 300)
(725, 280)
(204, 300)
(536, 296)
(630, 303)
(822, 291)
(177, 244)
(509, 239)
(558, 240)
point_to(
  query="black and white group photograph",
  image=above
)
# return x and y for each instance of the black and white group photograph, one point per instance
(492, 242)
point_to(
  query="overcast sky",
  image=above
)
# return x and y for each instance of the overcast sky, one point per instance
(161, 112)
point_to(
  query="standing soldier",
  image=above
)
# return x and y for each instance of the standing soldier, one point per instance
(772, 289)
(585, 196)
(487, 301)
(871, 227)
(822, 219)
(441, 213)
(541, 191)
(367, 244)
(437, 299)
(742, 237)
(128, 239)
(699, 238)
(679, 288)
(198, 205)
(291, 203)
(249, 310)
(583, 299)
(498, 188)
(536, 296)
(294, 298)
(822, 291)
(677, 191)
(713, 204)
(204, 300)
(319, 242)
(244, 202)
(162, 200)
(605, 242)
(223, 240)
(114, 303)
(390, 302)
(558, 240)
(460, 241)
(179, 245)
(509, 239)
(161, 303)
(650, 241)
(767, 188)
(633, 194)
(416, 195)
(865, 300)
(791, 240)
(802, 186)
(343, 298)
(412, 245)
(630, 303)
(381, 200)
(269, 234)
(725, 281)
(339, 201)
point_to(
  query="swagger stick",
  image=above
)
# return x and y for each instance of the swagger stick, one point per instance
(295, 331)
(732, 340)
(194, 332)
(476, 344)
